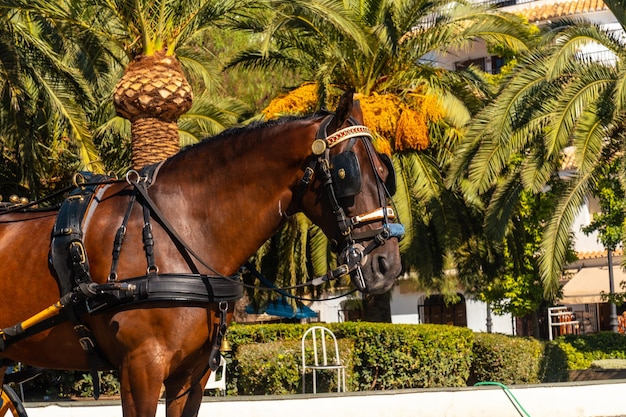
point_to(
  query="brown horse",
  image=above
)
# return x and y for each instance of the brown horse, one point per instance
(208, 209)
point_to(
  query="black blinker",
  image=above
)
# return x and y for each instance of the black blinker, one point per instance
(346, 174)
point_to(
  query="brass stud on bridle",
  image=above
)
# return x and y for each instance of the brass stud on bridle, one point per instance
(318, 147)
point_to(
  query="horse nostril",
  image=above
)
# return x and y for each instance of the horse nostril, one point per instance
(383, 265)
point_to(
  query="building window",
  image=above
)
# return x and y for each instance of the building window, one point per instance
(350, 310)
(434, 310)
(492, 64)
(497, 63)
(478, 62)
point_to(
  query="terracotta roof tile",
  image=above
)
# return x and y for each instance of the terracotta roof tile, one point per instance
(562, 9)
(597, 254)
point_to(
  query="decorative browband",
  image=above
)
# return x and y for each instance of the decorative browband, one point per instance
(320, 145)
(347, 133)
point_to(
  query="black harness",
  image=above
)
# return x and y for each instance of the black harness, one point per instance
(79, 293)
(69, 259)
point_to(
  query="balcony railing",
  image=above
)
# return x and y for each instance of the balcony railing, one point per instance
(503, 3)
(600, 57)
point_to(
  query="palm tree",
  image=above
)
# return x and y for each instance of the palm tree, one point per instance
(554, 98)
(156, 43)
(44, 103)
(407, 102)
(156, 38)
(63, 60)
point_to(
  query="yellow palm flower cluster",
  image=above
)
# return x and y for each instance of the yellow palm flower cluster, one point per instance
(381, 113)
(302, 100)
(396, 123)
(412, 130)
(402, 122)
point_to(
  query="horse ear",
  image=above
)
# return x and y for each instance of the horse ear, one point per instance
(344, 109)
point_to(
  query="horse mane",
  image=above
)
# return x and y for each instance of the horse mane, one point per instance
(257, 125)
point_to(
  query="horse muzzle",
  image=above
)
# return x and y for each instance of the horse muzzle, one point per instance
(357, 260)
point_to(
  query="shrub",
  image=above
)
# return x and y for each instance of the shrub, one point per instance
(389, 356)
(385, 356)
(275, 368)
(506, 359)
(554, 364)
(582, 350)
(66, 384)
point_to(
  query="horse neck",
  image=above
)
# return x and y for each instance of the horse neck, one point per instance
(235, 188)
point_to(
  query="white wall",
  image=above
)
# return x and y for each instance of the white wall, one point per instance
(477, 319)
(545, 400)
(404, 306)
(584, 243)
(404, 303)
(329, 307)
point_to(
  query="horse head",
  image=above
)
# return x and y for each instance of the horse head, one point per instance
(350, 186)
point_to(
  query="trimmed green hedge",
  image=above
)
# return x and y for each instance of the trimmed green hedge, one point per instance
(387, 356)
(506, 359)
(408, 356)
(266, 359)
(384, 356)
(275, 368)
(581, 351)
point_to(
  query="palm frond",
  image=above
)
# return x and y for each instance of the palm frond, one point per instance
(502, 205)
(208, 117)
(403, 201)
(585, 88)
(556, 237)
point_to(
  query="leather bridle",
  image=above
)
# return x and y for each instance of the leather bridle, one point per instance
(353, 254)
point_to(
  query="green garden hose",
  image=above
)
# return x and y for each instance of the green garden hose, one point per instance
(509, 394)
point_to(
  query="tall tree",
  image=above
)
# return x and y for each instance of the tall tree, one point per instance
(156, 44)
(155, 38)
(556, 97)
(407, 101)
(44, 103)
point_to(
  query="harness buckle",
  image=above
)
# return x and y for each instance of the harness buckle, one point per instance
(308, 174)
(77, 250)
(78, 179)
(133, 177)
(85, 341)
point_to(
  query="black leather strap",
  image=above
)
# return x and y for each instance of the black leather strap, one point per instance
(119, 239)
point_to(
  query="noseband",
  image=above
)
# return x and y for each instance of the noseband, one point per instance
(341, 176)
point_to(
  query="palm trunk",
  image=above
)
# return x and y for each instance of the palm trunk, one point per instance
(153, 94)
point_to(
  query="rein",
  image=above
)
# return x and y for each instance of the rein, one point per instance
(32, 204)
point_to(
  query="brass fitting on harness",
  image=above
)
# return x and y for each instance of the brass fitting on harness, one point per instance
(77, 250)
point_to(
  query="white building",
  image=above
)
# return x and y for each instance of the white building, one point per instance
(409, 306)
